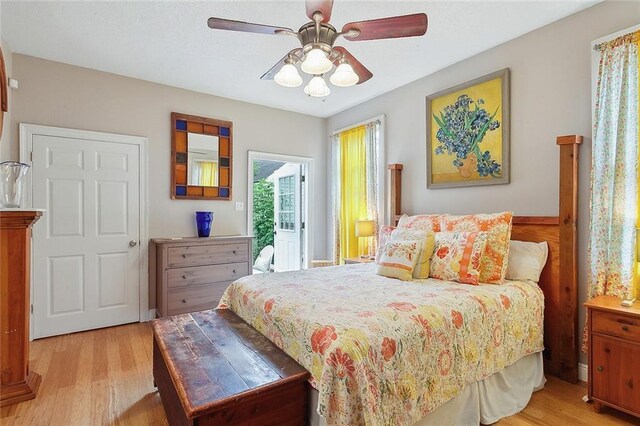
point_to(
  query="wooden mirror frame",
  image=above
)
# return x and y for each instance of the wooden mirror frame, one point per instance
(4, 103)
(181, 126)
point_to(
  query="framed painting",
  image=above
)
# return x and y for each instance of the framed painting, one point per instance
(468, 133)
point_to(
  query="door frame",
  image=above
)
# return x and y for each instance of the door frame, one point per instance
(306, 216)
(28, 131)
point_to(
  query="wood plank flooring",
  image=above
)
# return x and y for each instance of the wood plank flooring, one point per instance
(103, 377)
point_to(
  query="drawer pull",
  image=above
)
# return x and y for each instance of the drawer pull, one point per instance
(625, 328)
(184, 256)
(184, 300)
(607, 350)
(234, 271)
(600, 368)
(234, 252)
(184, 277)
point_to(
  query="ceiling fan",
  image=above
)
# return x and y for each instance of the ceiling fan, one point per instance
(318, 54)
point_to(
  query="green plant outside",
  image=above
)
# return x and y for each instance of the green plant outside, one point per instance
(263, 215)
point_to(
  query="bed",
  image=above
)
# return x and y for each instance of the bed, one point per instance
(382, 351)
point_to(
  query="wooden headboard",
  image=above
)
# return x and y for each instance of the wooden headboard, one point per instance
(558, 281)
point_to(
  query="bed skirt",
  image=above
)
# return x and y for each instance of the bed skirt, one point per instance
(500, 395)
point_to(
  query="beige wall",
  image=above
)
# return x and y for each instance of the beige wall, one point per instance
(5, 141)
(60, 95)
(550, 96)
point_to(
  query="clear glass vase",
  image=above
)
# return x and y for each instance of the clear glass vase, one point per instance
(12, 176)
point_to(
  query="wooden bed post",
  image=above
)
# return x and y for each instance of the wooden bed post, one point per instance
(396, 192)
(568, 213)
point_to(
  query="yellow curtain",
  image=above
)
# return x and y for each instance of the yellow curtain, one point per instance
(353, 190)
(208, 173)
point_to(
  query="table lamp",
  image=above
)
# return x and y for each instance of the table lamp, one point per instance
(365, 229)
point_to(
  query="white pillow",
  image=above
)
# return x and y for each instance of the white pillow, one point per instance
(526, 260)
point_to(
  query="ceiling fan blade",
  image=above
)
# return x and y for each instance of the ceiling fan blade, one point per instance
(394, 27)
(274, 69)
(247, 27)
(363, 73)
(322, 6)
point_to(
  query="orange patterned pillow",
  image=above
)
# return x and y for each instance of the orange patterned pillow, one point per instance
(422, 222)
(457, 256)
(493, 266)
(383, 236)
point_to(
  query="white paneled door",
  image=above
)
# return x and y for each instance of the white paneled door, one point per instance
(86, 251)
(287, 185)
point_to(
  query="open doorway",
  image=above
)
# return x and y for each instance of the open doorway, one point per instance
(278, 211)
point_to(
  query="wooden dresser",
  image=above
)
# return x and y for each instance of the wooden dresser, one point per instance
(191, 274)
(614, 354)
(18, 383)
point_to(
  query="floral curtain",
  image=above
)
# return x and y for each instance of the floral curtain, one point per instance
(614, 171)
(612, 249)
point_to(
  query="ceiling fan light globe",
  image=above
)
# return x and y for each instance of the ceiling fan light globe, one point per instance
(316, 62)
(317, 88)
(344, 76)
(288, 76)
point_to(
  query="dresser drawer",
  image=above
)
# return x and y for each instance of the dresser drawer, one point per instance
(615, 324)
(206, 255)
(193, 299)
(197, 275)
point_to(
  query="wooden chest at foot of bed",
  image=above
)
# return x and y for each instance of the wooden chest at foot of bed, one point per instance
(211, 367)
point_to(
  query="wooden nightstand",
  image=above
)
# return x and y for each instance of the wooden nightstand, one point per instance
(352, 260)
(614, 354)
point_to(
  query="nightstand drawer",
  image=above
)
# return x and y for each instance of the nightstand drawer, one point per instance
(614, 324)
(184, 277)
(205, 255)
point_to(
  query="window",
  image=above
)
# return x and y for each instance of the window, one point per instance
(286, 200)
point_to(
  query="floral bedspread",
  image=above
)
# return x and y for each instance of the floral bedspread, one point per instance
(387, 352)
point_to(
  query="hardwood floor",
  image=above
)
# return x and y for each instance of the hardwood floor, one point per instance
(103, 377)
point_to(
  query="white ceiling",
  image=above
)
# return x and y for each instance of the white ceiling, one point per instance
(169, 42)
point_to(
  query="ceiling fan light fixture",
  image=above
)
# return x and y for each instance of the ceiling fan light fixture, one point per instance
(317, 88)
(316, 62)
(288, 76)
(344, 76)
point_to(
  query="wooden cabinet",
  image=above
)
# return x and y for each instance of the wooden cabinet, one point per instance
(191, 274)
(354, 260)
(18, 383)
(614, 354)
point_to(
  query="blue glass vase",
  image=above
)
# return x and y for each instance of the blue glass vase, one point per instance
(203, 222)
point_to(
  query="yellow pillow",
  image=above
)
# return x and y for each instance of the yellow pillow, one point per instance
(398, 258)
(427, 240)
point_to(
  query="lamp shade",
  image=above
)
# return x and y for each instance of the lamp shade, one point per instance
(316, 62)
(288, 76)
(317, 88)
(344, 76)
(365, 228)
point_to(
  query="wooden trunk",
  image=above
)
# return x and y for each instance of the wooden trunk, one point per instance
(17, 382)
(212, 368)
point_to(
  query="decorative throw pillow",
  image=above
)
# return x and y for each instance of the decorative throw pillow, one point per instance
(426, 239)
(383, 236)
(526, 260)
(424, 222)
(398, 258)
(457, 256)
(493, 266)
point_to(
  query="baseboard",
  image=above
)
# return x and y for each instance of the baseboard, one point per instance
(583, 372)
(152, 315)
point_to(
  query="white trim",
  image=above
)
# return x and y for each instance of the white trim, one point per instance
(28, 131)
(307, 216)
(152, 314)
(360, 123)
(583, 372)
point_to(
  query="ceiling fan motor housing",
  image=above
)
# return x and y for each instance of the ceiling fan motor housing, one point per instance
(324, 40)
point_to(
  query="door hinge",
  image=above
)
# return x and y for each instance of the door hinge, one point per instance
(303, 178)
(302, 225)
(31, 156)
(32, 308)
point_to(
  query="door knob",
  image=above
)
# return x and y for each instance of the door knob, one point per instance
(133, 243)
